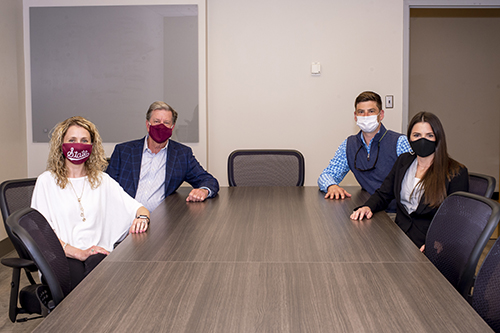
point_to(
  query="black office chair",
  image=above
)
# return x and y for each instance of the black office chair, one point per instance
(14, 195)
(458, 234)
(486, 295)
(265, 168)
(481, 184)
(43, 246)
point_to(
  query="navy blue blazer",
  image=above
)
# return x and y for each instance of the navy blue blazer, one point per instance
(125, 168)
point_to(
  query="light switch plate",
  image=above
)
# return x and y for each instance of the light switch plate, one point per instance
(316, 68)
(389, 101)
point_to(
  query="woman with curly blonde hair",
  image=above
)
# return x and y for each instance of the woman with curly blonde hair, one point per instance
(57, 162)
(87, 209)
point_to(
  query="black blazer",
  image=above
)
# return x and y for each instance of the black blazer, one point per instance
(415, 225)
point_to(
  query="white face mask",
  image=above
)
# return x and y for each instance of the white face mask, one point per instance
(368, 124)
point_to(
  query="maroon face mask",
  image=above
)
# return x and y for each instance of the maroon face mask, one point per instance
(160, 133)
(77, 153)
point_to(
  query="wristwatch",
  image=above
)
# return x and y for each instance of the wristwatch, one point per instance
(145, 217)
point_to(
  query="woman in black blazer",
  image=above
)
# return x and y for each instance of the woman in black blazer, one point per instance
(419, 181)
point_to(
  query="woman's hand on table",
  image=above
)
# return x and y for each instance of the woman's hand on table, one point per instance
(141, 221)
(139, 225)
(364, 211)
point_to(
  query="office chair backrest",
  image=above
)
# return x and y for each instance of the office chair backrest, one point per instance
(486, 296)
(14, 195)
(458, 234)
(44, 247)
(265, 168)
(481, 184)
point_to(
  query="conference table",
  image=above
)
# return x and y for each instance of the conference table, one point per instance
(265, 259)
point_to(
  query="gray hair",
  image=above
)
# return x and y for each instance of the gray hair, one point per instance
(158, 105)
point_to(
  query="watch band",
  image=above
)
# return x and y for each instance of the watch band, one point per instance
(143, 217)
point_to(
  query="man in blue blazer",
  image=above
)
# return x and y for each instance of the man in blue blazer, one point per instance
(151, 168)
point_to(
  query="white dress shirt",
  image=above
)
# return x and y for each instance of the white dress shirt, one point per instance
(151, 187)
(411, 190)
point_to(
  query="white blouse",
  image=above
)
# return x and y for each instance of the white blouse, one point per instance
(108, 210)
(411, 191)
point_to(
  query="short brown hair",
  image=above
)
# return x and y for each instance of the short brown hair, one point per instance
(366, 96)
(159, 105)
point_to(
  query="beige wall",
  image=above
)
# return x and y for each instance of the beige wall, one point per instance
(455, 73)
(12, 125)
(260, 90)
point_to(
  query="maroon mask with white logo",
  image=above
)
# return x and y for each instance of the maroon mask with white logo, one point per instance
(77, 153)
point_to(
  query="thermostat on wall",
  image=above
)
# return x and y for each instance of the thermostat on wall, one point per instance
(316, 68)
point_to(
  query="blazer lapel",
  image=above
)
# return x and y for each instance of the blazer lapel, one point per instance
(422, 206)
(137, 151)
(401, 175)
(171, 158)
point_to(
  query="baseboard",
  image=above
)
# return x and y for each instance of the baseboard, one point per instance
(6, 247)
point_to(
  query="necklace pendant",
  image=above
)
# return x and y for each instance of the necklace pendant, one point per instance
(82, 212)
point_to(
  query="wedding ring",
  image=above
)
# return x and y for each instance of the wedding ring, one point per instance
(92, 250)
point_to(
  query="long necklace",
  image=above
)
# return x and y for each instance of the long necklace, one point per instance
(82, 212)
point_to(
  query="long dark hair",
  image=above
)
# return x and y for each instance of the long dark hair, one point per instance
(443, 167)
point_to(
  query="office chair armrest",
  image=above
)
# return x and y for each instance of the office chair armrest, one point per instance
(18, 263)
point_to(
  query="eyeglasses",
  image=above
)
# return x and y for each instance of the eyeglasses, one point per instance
(376, 160)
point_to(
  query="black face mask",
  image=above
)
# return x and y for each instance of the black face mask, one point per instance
(423, 147)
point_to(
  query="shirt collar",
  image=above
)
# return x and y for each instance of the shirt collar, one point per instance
(145, 148)
(363, 138)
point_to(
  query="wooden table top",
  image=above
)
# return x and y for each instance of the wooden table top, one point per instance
(265, 259)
